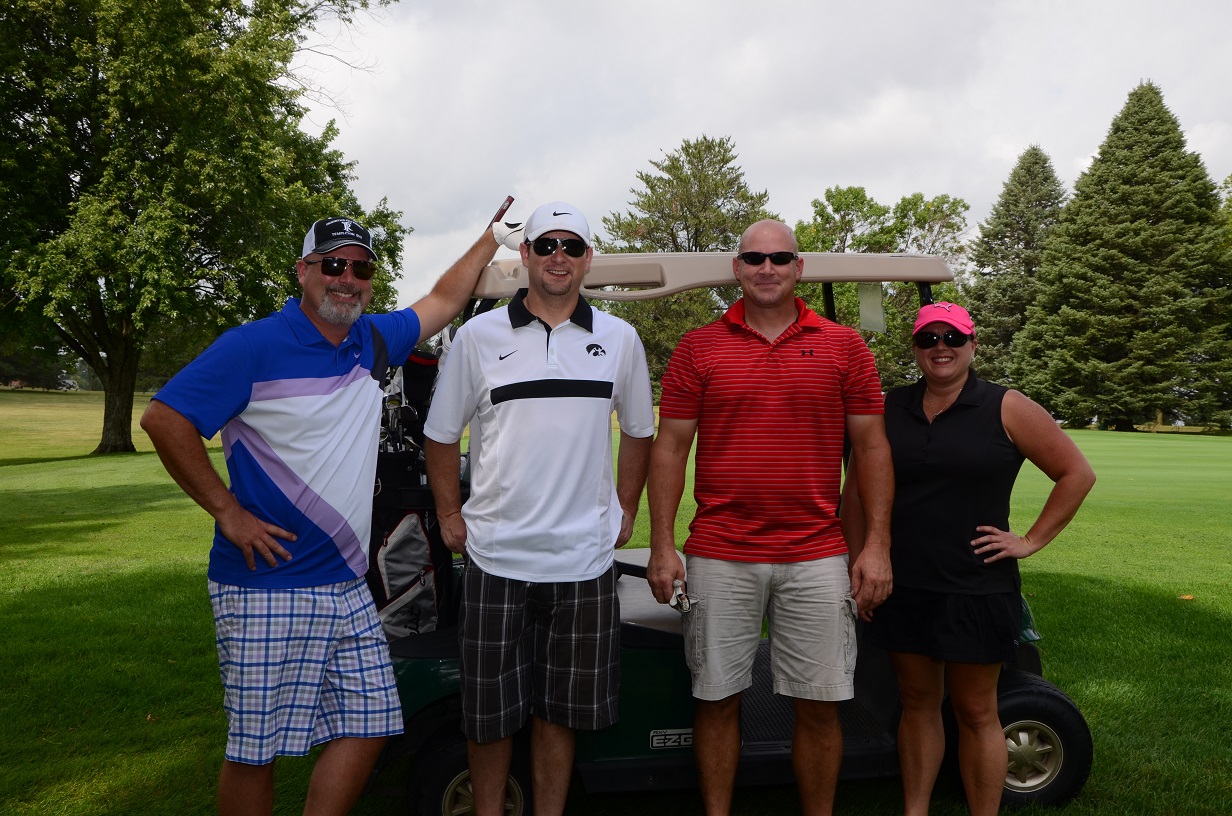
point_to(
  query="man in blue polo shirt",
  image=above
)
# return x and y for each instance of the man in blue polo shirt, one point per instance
(537, 381)
(302, 655)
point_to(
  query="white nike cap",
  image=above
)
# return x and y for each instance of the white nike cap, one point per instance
(557, 215)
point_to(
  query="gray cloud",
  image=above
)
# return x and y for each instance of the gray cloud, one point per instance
(466, 102)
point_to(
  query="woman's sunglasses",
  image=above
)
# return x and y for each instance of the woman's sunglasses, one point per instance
(952, 338)
(334, 267)
(573, 247)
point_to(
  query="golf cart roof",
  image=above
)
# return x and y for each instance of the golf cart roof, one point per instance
(649, 275)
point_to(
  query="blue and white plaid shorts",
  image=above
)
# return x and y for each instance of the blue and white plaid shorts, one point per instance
(301, 667)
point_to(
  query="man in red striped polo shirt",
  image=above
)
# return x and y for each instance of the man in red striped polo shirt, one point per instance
(769, 390)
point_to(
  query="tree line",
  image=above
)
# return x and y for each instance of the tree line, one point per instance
(154, 165)
(1111, 306)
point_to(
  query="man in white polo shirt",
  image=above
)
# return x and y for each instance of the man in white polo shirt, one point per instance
(537, 381)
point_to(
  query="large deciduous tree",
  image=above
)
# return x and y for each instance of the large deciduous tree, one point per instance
(932, 226)
(153, 170)
(1131, 320)
(1007, 256)
(696, 201)
(847, 219)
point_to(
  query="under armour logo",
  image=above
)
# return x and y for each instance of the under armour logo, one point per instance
(806, 352)
(595, 350)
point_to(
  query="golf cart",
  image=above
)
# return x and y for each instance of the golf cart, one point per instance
(414, 579)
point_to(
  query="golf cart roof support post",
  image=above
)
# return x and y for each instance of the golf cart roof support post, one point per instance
(827, 295)
(926, 292)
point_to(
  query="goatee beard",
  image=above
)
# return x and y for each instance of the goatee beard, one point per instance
(340, 314)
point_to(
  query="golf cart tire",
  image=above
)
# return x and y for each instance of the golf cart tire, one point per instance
(441, 783)
(1049, 743)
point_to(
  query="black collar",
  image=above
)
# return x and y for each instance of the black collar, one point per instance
(520, 316)
(911, 397)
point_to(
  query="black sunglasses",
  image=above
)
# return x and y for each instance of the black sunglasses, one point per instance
(334, 267)
(573, 247)
(952, 338)
(759, 258)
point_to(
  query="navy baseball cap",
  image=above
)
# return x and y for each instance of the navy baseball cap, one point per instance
(331, 233)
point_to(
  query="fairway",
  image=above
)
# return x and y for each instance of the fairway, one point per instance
(112, 703)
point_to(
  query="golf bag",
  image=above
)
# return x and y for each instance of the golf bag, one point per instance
(405, 559)
(409, 566)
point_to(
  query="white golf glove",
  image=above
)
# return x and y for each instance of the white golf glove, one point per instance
(679, 599)
(508, 234)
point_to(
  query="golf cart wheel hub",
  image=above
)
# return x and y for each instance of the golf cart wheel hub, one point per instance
(1035, 755)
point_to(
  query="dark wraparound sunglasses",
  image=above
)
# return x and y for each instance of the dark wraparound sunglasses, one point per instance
(573, 247)
(334, 267)
(952, 338)
(759, 258)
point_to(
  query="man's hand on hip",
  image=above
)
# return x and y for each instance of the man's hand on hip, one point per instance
(252, 535)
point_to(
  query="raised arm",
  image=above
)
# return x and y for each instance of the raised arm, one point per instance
(668, 458)
(1050, 449)
(183, 454)
(448, 297)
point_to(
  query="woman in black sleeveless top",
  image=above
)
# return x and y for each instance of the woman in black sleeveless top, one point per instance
(954, 615)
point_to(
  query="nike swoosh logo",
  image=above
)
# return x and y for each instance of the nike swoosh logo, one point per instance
(357, 355)
(510, 354)
(561, 213)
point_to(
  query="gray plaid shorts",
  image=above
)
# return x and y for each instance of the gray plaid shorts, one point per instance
(547, 649)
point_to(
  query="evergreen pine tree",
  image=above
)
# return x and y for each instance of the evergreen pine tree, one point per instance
(1131, 299)
(1007, 257)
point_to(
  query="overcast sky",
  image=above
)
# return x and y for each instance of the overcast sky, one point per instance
(461, 102)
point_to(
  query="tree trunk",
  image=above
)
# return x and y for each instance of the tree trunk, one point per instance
(119, 379)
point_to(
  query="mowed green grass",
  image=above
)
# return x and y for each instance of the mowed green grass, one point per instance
(111, 702)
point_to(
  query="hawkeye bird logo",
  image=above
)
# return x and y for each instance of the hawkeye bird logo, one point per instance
(595, 350)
